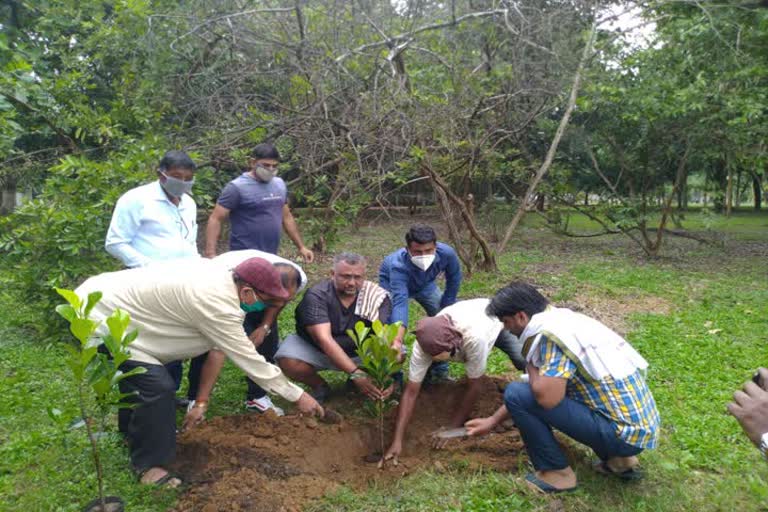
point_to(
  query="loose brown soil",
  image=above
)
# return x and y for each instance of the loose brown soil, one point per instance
(265, 463)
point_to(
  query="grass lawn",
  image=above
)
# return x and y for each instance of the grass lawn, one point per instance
(699, 315)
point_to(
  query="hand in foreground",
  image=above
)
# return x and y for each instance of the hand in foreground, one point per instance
(480, 426)
(392, 454)
(750, 408)
(194, 417)
(308, 405)
(307, 255)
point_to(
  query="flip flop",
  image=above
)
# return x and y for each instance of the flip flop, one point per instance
(163, 481)
(628, 475)
(542, 486)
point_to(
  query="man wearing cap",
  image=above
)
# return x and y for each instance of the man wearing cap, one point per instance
(181, 310)
(323, 316)
(265, 320)
(412, 272)
(462, 332)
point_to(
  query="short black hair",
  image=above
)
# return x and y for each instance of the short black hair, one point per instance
(178, 159)
(515, 297)
(265, 151)
(289, 276)
(421, 234)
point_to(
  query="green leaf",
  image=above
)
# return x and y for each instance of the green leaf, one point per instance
(71, 297)
(93, 299)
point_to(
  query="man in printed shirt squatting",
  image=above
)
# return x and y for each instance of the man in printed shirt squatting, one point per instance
(584, 380)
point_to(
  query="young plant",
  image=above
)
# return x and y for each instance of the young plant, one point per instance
(378, 360)
(94, 370)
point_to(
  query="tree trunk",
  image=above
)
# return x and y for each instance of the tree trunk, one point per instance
(729, 192)
(757, 191)
(530, 193)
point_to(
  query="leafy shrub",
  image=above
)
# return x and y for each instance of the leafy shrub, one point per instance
(57, 239)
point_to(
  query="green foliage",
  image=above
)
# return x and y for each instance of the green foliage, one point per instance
(57, 239)
(94, 370)
(379, 360)
(374, 348)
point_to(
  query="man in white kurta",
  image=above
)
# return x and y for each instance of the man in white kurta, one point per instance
(181, 310)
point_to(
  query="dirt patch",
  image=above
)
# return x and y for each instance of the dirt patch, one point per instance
(614, 311)
(266, 463)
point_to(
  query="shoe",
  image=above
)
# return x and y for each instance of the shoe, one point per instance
(262, 405)
(181, 402)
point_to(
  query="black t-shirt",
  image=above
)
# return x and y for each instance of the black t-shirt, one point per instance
(321, 305)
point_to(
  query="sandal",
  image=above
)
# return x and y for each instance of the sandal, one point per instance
(164, 481)
(540, 485)
(628, 475)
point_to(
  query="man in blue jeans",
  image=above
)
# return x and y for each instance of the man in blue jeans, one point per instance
(584, 380)
(411, 272)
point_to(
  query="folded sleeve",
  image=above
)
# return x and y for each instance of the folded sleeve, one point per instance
(419, 364)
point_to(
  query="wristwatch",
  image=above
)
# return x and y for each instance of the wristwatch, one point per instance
(764, 445)
(267, 329)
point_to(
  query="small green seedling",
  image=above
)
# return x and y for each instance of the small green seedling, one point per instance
(378, 360)
(94, 370)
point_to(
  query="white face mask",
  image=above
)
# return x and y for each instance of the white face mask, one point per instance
(264, 174)
(423, 262)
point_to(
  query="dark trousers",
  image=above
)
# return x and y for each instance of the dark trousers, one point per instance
(570, 417)
(150, 427)
(268, 349)
(175, 370)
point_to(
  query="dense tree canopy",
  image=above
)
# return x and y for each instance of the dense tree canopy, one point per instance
(379, 103)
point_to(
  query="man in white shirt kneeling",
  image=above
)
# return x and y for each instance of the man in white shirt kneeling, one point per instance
(461, 332)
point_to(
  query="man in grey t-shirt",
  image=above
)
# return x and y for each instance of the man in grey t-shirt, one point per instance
(256, 203)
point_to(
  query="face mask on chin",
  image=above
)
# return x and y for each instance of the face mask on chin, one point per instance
(176, 187)
(264, 174)
(256, 307)
(423, 262)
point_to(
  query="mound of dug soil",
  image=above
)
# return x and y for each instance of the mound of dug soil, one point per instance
(266, 463)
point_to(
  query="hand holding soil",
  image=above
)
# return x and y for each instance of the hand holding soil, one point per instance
(394, 451)
(194, 417)
(308, 405)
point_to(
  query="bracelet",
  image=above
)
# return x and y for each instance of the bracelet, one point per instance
(201, 404)
(267, 329)
(357, 373)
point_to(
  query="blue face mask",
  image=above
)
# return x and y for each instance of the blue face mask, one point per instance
(256, 307)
